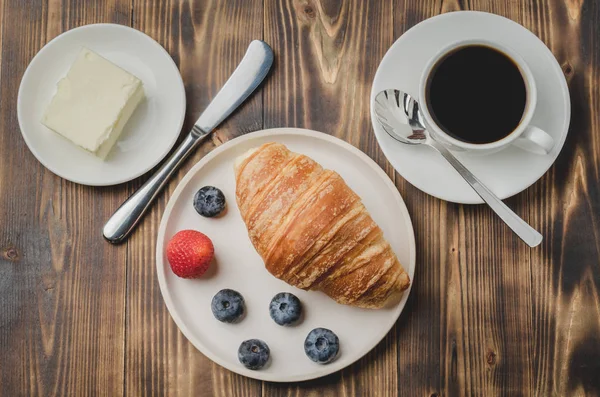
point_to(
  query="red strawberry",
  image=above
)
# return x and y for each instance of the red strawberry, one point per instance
(189, 253)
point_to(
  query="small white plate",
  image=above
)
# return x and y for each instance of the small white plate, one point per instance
(507, 172)
(150, 133)
(239, 267)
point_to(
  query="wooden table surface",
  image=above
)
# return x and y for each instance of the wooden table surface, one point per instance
(486, 315)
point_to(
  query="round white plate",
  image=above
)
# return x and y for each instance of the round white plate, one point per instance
(507, 172)
(239, 267)
(148, 135)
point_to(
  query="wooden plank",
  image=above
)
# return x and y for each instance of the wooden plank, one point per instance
(327, 53)
(207, 40)
(510, 320)
(431, 350)
(565, 204)
(472, 298)
(62, 291)
(1, 30)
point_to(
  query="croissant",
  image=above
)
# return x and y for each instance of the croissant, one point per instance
(313, 231)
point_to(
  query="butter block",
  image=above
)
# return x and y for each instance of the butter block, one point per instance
(93, 103)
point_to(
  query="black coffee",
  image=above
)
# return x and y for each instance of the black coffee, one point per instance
(476, 94)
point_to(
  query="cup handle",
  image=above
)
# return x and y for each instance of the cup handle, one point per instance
(535, 140)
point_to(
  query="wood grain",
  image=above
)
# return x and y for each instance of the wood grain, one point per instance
(207, 40)
(327, 54)
(567, 207)
(500, 302)
(62, 290)
(486, 315)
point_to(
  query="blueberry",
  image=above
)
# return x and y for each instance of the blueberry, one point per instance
(254, 353)
(209, 201)
(321, 345)
(285, 308)
(227, 306)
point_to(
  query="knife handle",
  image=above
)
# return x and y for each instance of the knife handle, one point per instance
(122, 222)
(247, 76)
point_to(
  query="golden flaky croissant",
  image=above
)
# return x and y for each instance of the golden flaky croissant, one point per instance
(313, 231)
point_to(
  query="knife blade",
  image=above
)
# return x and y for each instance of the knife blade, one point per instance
(248, 75)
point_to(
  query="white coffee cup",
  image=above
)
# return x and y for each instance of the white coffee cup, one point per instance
(525, 135)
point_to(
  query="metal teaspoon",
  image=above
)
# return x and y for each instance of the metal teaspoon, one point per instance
(395, 109)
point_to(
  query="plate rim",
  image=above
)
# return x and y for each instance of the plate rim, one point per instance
(119, 179)
(160, 265)
(554, 64)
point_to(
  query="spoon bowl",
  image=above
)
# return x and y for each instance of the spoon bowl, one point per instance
(399, 116)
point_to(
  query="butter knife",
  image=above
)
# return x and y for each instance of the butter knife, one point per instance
(247, 76)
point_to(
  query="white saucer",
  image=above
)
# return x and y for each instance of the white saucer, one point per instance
(507, 172)
(149, 134)
(239, 267)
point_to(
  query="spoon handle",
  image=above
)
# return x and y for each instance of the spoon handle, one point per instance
(525, 232)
